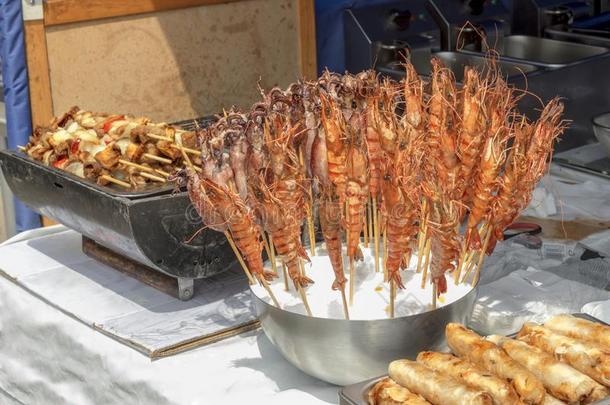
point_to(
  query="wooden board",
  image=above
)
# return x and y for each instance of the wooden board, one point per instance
(176, 64)
(131, 268)
(68, 11)
(307, 39)
(38, 73)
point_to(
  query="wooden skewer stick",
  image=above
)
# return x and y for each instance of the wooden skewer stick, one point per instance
(477, 271)
(460, 265)
(157, 158)
(352, 275)
(463, 262)
(376, 229)
(144, 168)
(265, 244)
(468, 264)
(136, 165)
(302, 291)
(469, 261)
(270, 292)
(162, 173)
(304, 298)
(434, 289)
(152, 177)
(392, 297)
(187, 150)
(421, 244)
(272, 254)
(352, 280)
(285, 273)
(310, 221)
(345, 307)
(188, 160)
(311, 231)
(426, 262)
(115, 181)
(366, 228)
(251, 279)
(370, 221)
(385, 254)
(160, 137)
(460, 262)
(22, 148)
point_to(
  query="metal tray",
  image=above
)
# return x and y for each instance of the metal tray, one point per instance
(153, 229)
(544, 52)
(456, 61)
(149, 190)
(357, 394)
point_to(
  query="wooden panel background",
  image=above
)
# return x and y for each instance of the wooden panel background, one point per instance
(175, 64)
(67, 11)
(38, 67)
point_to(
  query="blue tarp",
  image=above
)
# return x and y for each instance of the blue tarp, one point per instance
(16, 93)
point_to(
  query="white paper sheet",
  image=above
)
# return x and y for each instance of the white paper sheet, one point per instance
(54, 268)
(47, 357)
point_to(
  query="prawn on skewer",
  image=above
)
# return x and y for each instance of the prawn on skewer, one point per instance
(445, 244)
(240, 224)
(356, 195)
(472, 129)
(443, 128)
(334, 125)
(398, 226)
(527, 162)
(279, 223)
(282, 191)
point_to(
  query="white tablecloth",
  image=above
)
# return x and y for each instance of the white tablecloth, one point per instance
(47, 357)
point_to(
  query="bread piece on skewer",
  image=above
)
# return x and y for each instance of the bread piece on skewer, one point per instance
(388, 392)
(469, 345)
(581, 329)
(500, 390)
(561, 380)
(438, 388)
(584, 356)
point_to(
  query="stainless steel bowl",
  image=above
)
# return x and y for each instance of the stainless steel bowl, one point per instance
(601, 129)
(344, 352)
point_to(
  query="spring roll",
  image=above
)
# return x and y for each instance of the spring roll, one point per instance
(438, 388)
(561, 380)
(468, 345)
(584, 356)
(551, 400)
(388, 392)
(581, 329)
(500, 390)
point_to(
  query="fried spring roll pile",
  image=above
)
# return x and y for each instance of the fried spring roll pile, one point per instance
(539, 366)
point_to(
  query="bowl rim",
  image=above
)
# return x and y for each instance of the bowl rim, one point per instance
(271, 307)
(595, 121)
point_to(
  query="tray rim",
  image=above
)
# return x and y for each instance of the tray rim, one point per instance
(356, 394)
(111, 191)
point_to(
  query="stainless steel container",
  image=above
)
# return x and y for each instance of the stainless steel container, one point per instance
(344, 352)
(601, 129)
(456, 62)
(544, 52)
